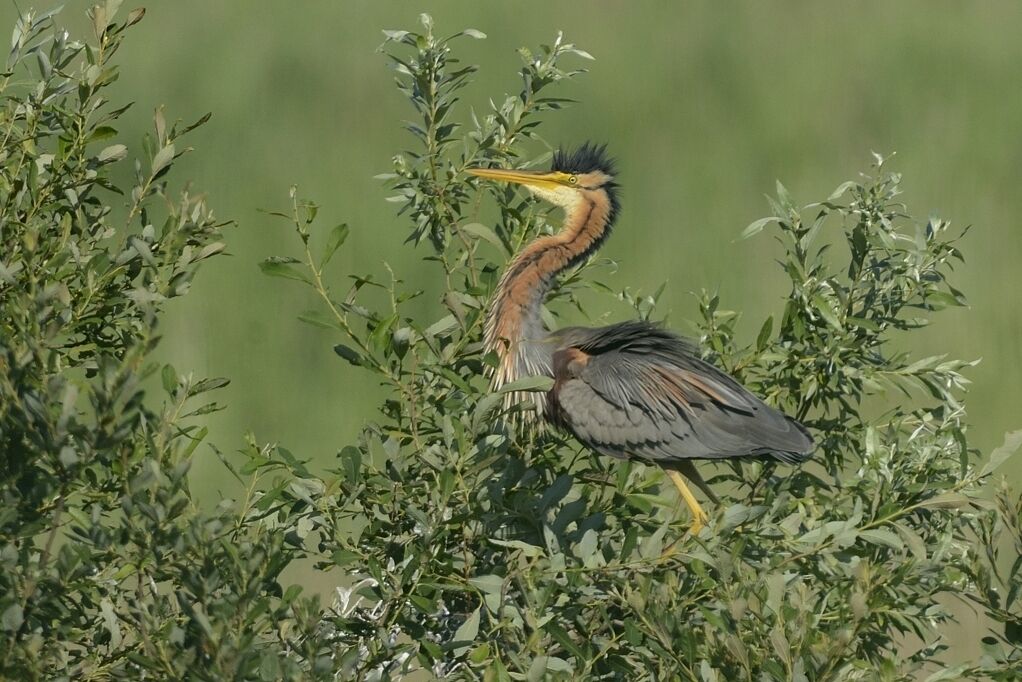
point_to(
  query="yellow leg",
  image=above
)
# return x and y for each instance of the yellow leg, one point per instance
(699, 517)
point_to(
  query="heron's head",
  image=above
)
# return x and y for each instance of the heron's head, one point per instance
(573, 177)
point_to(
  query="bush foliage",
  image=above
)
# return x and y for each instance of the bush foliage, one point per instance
(461, 544)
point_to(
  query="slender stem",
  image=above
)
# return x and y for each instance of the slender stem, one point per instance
(324, 293)
(44, 557)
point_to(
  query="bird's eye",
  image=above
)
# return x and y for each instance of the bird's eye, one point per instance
(573, 180)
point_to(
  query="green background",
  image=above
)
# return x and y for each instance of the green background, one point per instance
(704, 104)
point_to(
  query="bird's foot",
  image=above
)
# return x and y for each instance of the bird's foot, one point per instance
(699, 522)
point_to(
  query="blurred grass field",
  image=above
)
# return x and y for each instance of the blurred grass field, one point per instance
(705, 105)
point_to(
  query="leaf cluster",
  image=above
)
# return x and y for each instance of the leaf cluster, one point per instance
(108, 567)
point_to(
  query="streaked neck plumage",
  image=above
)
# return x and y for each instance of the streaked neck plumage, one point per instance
(514, 327)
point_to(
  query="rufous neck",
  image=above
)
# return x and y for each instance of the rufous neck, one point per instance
(515, 330)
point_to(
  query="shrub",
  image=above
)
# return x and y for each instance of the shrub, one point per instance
(463, 545)
(107, 568)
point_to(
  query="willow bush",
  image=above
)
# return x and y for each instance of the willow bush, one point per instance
(462, 545)
(108, 569)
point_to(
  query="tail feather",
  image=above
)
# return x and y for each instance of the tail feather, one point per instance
(804, 452)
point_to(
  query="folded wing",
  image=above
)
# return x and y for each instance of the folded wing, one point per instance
(635, 390)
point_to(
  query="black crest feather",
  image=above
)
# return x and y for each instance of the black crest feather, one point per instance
(584, 159)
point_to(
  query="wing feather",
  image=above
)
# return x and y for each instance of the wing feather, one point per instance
(634, 389)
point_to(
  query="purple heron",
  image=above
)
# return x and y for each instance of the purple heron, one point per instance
(631, 389)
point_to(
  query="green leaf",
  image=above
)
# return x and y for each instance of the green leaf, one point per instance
(381, 336)
(135, 16)
(485, 405)
(784, 197)
(488, 584)
(267, 499)
(780, 641)
(948, 673)
(863, 322)
(351, 464)
(163, 159)
(209, 250)
(845, 530)
(485, 233)
(737, 514)
(394, 35)
(169, 378)
(310, 210)
(349, 354)
(466, 633)
(524, 547)
(344, 557)
(884, 538)
(207, 385)
(828, 311)
(757, 226)
(776, 584)
(295, 465)
(923, 364)
(12, 618)
(556, 664)
(318, 318)
(337, 237)
(537, 670)
(269, 666)
(111, 622)
(841, 189)
(946, 501)
(208, 408)
(1012, 442)
(442, 326)
(943, 299)
(144, 250)
(537, 384)
(706, 672)
(561, 636)
(652, 545)
(581, 53)
(102, 133)
(763, 338)
(585, 549)
(114, 152)
(645, 502)
(912, 539)
(275, 268)
(203, 120)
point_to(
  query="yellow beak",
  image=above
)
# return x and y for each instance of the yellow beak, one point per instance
(522, 177)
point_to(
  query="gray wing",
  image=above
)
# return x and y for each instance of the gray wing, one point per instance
(636, 390)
